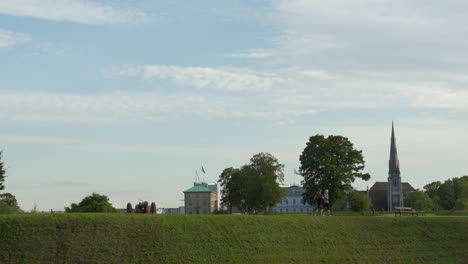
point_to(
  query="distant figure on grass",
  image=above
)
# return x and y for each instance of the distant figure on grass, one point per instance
(318, 197)
(326, 202)
(381, 211)
(373, 211)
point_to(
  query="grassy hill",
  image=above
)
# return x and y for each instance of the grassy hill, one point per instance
(123, 238)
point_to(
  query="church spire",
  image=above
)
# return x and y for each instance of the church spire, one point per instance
(393, 163)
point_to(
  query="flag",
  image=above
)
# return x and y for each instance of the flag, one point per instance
(295, 172)
(203, 169)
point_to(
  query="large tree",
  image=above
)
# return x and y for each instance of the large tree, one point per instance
(234, 189)
(2, 173)
(9, 199)
(94, 203)
(452, 194)
(359, 201)
(419, 200)
(264, 173)
(330, 163)
(255, 186)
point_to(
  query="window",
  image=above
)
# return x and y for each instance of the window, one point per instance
(287, 210)
(281, 210)
(294, 201)
(287, 201)
(302, 210)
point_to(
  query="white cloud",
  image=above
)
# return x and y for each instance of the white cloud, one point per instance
(372, 35)
(78, 11)
(253, 54)
(436, 97)
(9, 38)
(97, 108)
(226, 79)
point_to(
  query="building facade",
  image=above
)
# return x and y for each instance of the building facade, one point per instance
(392, 193)
(394, 186)
(293, 202)
(200, 199)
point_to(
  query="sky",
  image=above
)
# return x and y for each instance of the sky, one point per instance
(129, 98)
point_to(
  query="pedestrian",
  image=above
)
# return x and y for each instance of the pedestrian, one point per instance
(326, 202)
(373, 211)
(318, 198)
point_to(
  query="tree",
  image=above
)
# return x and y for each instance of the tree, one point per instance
(6, 208)
(264, 173)
(330, 163)
(461, 193)
(94, 203)
(2, 173)
(450, 195)
(359, 201)
(432, 190)
(255, 186)
(234, 189)
(9, 199)
(419, 200)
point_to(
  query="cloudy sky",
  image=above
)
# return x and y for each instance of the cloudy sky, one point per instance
(129, 98)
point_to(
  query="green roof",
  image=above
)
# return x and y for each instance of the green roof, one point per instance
(199, 187)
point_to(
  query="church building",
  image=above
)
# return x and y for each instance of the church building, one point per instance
(390, 194)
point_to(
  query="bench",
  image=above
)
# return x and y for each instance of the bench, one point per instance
(406, 210)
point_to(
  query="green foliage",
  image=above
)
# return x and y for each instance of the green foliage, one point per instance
(419, 200)
(330, 163)
(264, 173)
(94, 203)
(359, 201)
(9, 199)
(255, 186)
(135, 238)
(234, 188)
(450, 195)
(5, 208)
(2, 173)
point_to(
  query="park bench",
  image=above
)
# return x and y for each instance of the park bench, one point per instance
(406, 210)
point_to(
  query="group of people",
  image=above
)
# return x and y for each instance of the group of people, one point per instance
(323, 202)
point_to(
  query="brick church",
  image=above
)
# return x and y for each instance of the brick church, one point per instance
(390, 194)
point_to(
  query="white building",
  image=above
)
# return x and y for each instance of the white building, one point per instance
(292, 203)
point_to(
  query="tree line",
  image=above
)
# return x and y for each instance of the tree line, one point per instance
(326, 163)
(452, 194)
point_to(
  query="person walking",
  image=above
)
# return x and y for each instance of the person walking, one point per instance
(319, 199)
(326, 202)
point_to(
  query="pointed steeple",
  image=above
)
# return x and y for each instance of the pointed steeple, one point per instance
(393, 163)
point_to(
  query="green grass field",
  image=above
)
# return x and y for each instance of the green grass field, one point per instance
(124, 238)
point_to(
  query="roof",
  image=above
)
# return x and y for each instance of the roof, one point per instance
(382, 186)
(379, 186)
(199, 187)
(407, 186)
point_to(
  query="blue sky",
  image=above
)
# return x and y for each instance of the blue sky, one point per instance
(129, 98)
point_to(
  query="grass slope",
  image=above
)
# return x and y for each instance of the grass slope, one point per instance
(122, 238)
